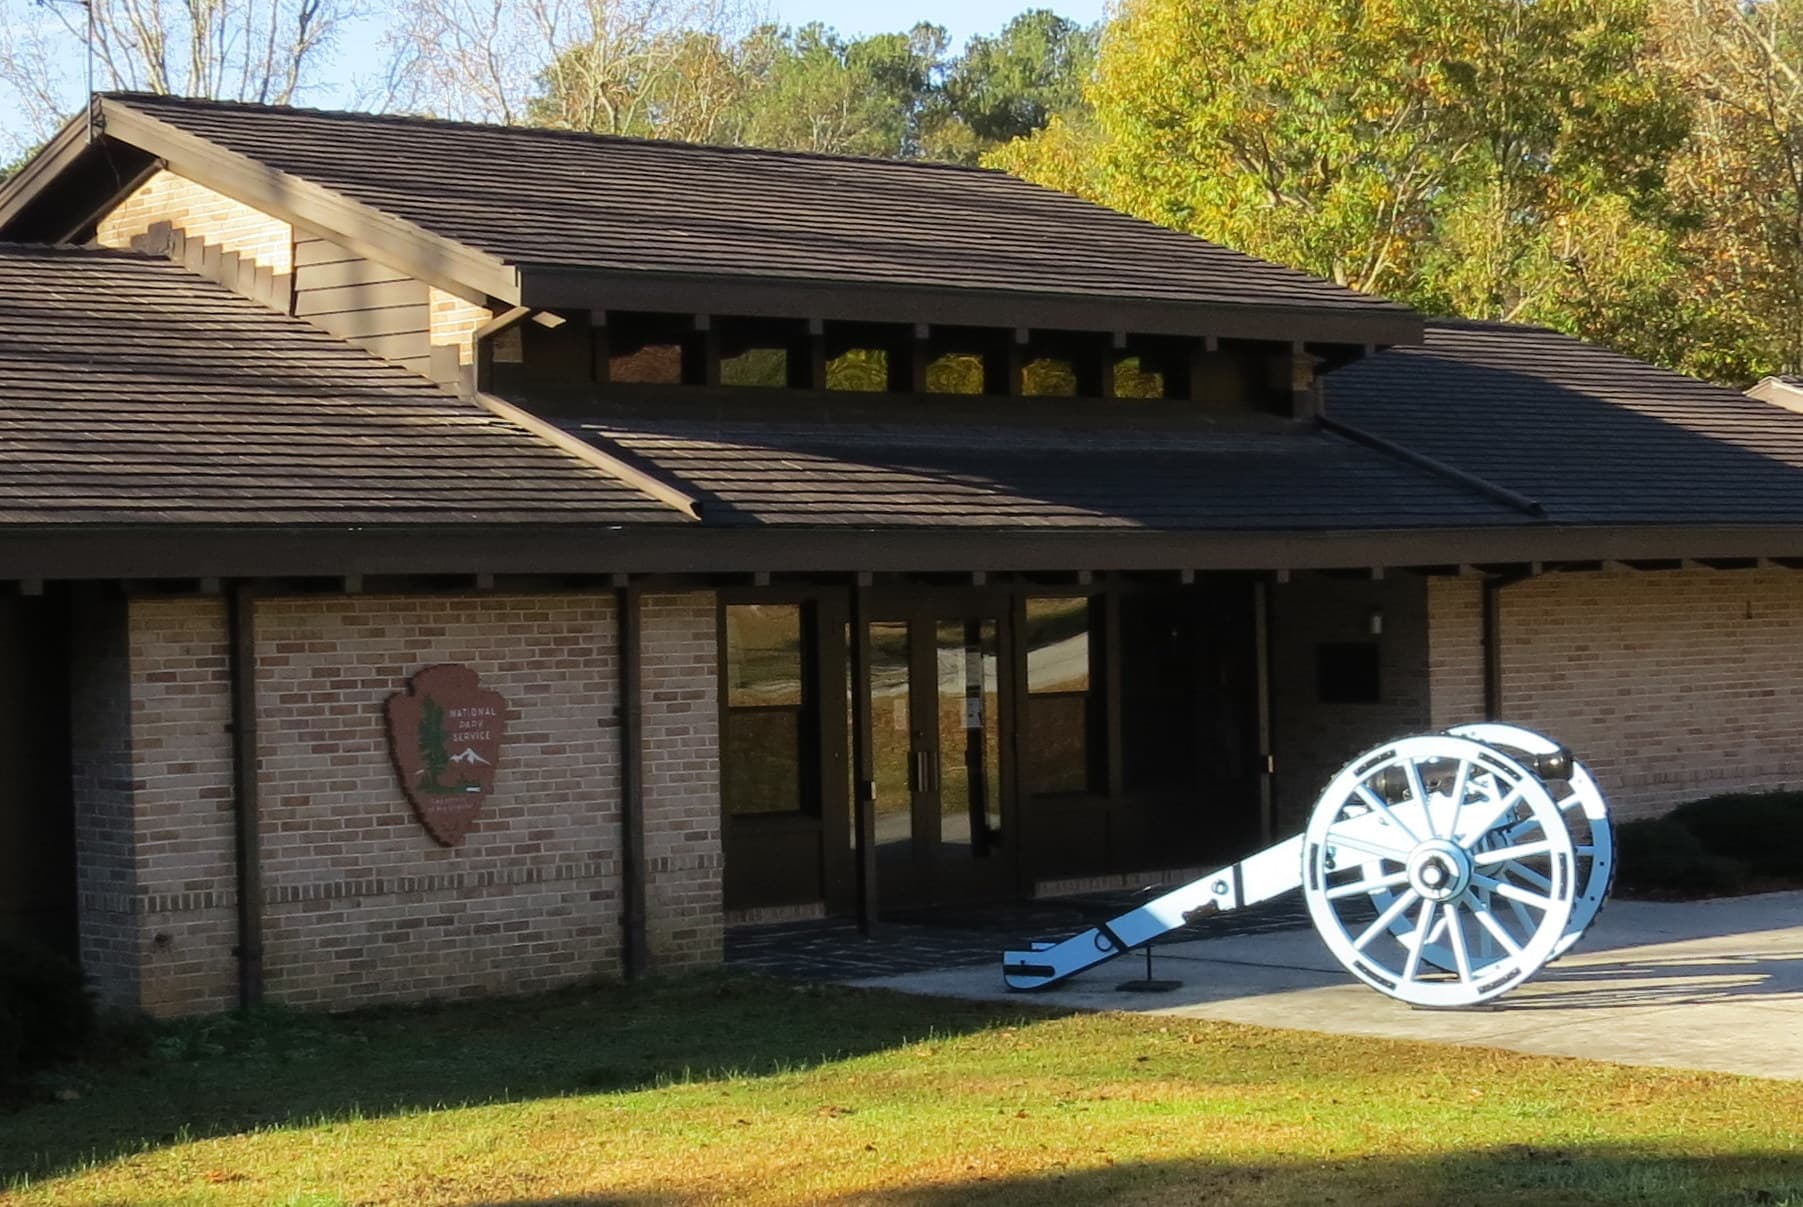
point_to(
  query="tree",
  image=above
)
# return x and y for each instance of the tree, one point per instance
(866, 96)
(898, 95)
(254, 50)
(1010, 85)
(1741, 173)
(1461, 154)
(610, 66)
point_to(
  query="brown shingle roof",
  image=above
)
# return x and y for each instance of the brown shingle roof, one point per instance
(1594, 436)
(132, 391)
(946, 475)
(584, 202)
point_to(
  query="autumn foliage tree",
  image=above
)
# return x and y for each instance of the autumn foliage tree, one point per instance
(1484, 157)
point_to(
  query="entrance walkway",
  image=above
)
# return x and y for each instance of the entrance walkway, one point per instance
(1712, 985)
(928, 941)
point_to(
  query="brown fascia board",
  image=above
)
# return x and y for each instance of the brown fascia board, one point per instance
(197, 550)
(550, 287)
(452, 266)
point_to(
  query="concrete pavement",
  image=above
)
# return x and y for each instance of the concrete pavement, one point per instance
(1712, 985)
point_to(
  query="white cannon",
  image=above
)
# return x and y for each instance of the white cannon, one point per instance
(1441, 869)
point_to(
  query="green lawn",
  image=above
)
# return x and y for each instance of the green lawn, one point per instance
(727, 1088)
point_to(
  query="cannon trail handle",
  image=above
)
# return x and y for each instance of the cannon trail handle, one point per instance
(1270, 873)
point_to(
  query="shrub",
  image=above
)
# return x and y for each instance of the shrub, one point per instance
(1660, 855)
(1763, 830)
(46, 1013)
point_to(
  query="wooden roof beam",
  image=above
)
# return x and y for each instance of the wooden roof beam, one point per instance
(667, 493)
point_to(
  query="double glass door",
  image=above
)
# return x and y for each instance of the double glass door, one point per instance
(936, 698)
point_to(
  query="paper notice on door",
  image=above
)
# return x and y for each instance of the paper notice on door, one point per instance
(973, 712)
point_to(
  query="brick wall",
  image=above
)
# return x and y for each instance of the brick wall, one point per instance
(454, 322)
(182, 805)
(682, 780)
(101, 788)
(203, 214)
(1311, 739)
(1670, 685)
(360, 903)
(1455, 649)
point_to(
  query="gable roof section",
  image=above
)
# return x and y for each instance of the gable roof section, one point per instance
(854, 473)
(133, 392)
(1595, 437)
(567, 210)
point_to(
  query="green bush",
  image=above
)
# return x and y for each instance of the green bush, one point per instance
(46, 1013)
(1762, 830)
(1659, 855)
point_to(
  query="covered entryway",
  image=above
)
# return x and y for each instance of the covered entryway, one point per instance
(938, 702)
(1025, 736)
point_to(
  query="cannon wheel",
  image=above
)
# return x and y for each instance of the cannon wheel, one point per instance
(1586, 814)
(1471, 849)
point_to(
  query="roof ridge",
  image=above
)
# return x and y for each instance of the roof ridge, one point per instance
(745, 149)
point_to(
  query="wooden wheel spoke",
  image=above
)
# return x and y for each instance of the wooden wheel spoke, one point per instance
(1402, 902)
(1358, 887)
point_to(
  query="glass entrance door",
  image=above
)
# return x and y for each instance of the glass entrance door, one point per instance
(936, 721)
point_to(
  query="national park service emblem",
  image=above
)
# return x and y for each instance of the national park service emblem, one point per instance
(445, 734)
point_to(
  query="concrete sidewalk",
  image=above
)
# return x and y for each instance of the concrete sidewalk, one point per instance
(1698, 985)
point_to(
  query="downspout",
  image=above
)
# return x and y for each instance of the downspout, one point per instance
(1492, 639)
(635, 949)
(241, 670)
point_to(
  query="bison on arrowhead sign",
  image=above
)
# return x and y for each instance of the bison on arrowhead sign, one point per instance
(445, 734)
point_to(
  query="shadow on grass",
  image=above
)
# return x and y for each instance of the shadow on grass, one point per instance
(1514, 1174)
(272, 1068)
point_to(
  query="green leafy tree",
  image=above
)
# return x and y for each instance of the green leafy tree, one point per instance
(1479, 156)
(821, 92)
(1008, 86)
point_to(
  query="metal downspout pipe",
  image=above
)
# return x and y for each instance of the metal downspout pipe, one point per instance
(241, 671)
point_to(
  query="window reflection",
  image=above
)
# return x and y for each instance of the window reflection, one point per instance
(1061, 709)
(767, 722)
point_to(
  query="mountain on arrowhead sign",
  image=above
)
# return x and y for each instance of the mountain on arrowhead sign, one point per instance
(445, 735)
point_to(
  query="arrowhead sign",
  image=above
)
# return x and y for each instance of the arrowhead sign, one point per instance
(445, 735)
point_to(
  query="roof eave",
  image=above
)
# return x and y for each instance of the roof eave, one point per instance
(553, 286)
(173, 550)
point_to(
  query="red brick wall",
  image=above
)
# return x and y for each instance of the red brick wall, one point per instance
(1671, 685)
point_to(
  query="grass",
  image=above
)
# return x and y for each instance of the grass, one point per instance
(727, 1088)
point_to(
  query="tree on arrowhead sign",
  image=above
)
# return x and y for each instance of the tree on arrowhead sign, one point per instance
(445, 733)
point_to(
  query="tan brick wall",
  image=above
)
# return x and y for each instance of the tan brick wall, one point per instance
(183, 810)
(1669, 685)
(101, 790)
(1455, 650)
(201, 213)
(682, 780)
(363, 904)
(1312, 740)
(454, 321)
(360, 903)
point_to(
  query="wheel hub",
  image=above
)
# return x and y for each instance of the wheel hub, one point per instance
(1439, 869)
